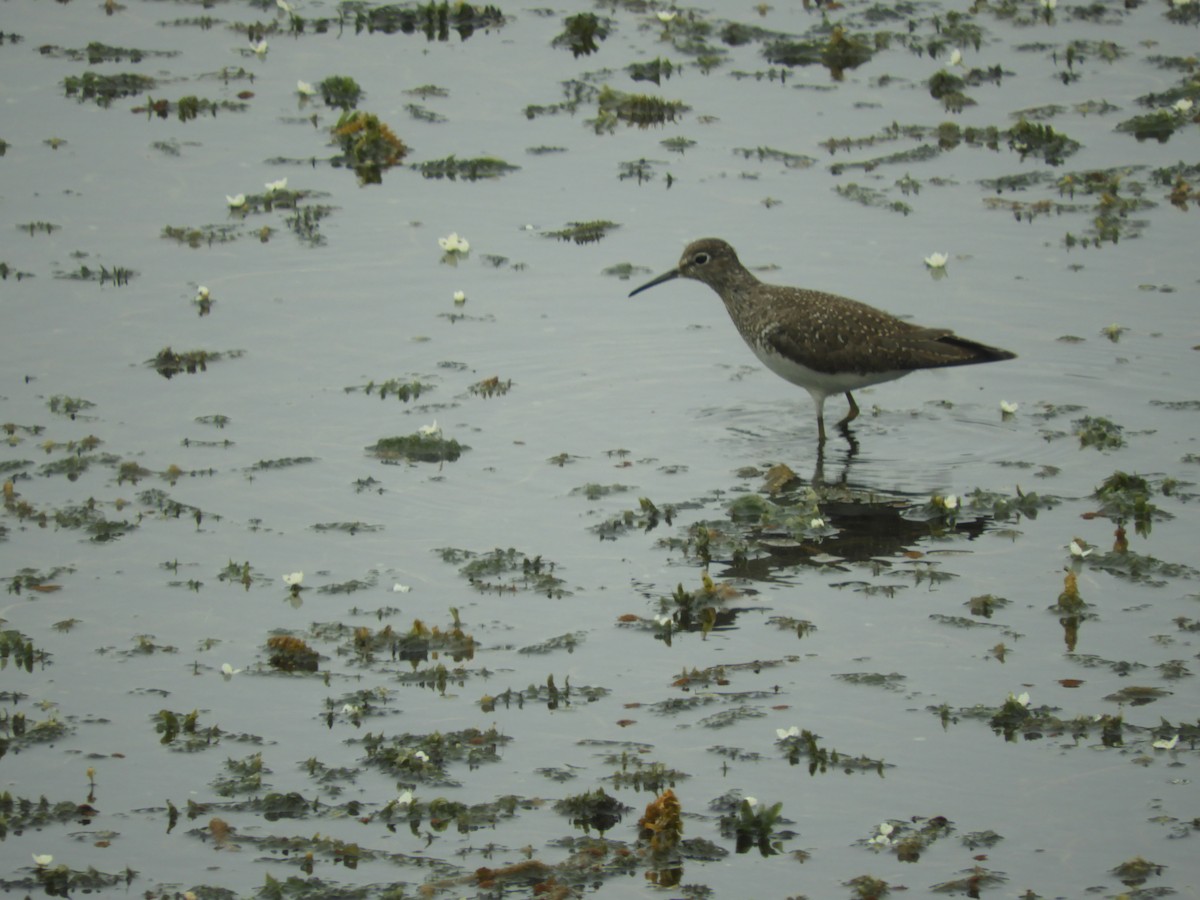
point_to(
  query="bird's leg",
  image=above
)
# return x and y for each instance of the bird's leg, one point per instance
(818, 398)
(853, 413)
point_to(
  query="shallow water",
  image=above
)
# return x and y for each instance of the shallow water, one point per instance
(612, 400)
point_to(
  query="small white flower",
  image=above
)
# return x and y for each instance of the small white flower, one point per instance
(751, 802)
(1080, 550)
(886, 828)
(228, 671)
(950, 502)
(784, 733)
(454, 244)
(1165, 744)
(405, 799)
(880, 840)
(1022, 698)
(294, 580)
(956, 57)
(1182, 105)
(816, 523)
(460, 297)
(305, 89)
(1007, 407)
(1049, 4)
(663, 621)
(237, 201)
(667, 16)
(421, 755)
(434, 430)
(937, 260)
(401, 588)
(260, 49)
(43, 859)
(273, 186)
(201, 293)
(350, 709)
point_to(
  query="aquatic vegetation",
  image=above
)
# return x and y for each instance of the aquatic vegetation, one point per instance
(117, 275)
(1041, 141)
(508, 570)
(368, 146)
(643, 110)
(70, 407)
(401, 389)
(491, 387)
(866, 196)
(803, 743)
(583, 232)
(417, 448)
(291, 654)
(19, 648)
(654, 71)
(204, 236)
(909, 838)
(453, 168)
(581, 32)
(104, 89)
(661, 826)
(763, 154)
(434, 20)
(1099, 432)
(341, 92)
(169, 363)
(188, 108)
(838, 53)
(593, 809)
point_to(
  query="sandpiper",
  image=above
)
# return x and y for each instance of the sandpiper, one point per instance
(824, 343)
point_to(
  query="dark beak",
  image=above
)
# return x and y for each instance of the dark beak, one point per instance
(665, 276)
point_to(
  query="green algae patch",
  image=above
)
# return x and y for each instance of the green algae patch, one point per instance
(419, 447)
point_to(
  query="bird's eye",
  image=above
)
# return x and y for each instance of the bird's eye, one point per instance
(700, 258)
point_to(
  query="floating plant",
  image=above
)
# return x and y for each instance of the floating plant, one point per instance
(581, 33)
(642, 110)
(583, 232)
(117, 275)
(104, 89)
(368, 145)
(434, 20)
(491, 387)
(168, 363)
(394, 387)
(203, 236)
(341, 92)
(593, 809)
(453, 168)
(506, 571)
(417, 447)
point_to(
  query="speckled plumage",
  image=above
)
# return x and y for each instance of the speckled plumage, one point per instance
(824, 343)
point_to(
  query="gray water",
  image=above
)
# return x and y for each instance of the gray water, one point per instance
(124, 574)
